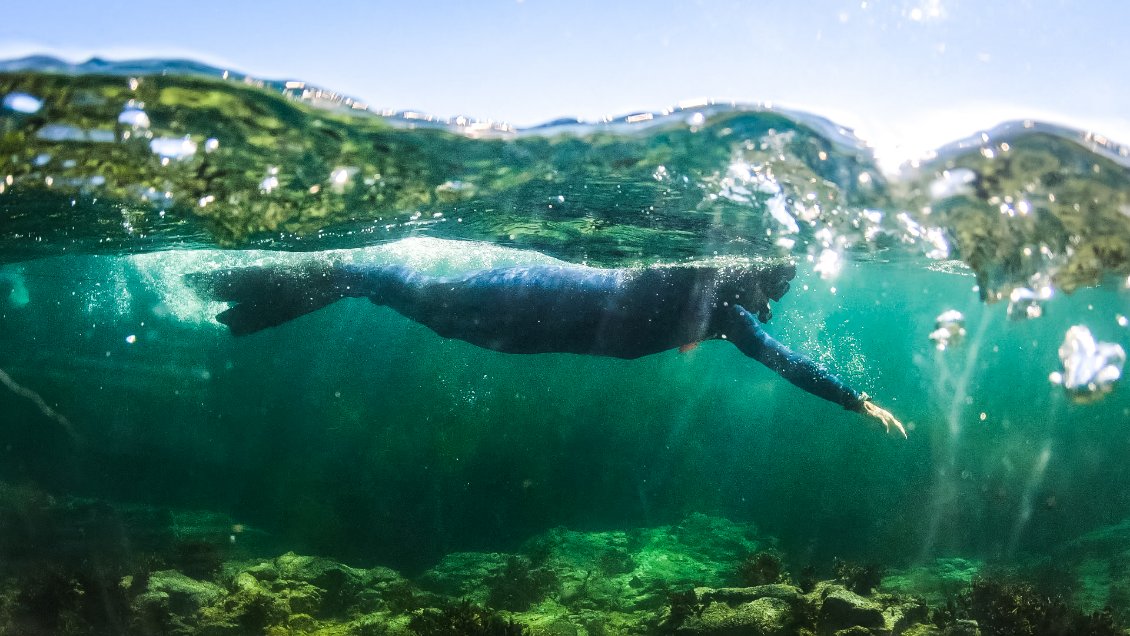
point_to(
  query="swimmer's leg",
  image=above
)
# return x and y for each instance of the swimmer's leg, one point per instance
(802, 371)
(267, 296)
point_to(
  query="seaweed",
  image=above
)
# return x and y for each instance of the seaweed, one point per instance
(683, 605)
(518, 585)
(956, 608)
(73, 601)
(762, 568)
(256, 613)
(1009, 608)
(859, 578)
(463, 619)
(807, 579)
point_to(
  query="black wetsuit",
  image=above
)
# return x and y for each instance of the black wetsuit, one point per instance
(622, 313)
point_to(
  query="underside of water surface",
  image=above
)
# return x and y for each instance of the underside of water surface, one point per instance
(353, 472)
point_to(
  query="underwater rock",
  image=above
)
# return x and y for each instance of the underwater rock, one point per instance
(708, 537)
(623, 571)
(385, 590)
(735, 595)
(500, 581)
(922, 629)
(1099, 565)
(463, 619)
(621, 581)
(289, 595)
(464, 574)
(963, 627)
(831, 609)
(762, 568)
(860, 578)
(301, 623)
(519, 585)
(564, 582)
(898, 618)
(296, 594)
(1003, 605)
(935, 582)
(249, 607)
(636, 570)
(338, 586)
(765, 616)
(840, 608)
(765, 609)
(181, 594)
(264, 571)
(172, 603)
(320, 571)
(303, 598)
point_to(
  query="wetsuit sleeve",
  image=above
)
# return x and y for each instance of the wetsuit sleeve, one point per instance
(804, 372)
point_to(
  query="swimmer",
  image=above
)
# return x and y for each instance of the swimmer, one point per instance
(621, 313)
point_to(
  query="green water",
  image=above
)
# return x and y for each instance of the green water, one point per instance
(136, 430)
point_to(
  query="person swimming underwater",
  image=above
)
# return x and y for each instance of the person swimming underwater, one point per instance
(621, 313)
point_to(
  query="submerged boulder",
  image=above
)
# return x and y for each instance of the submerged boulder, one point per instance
(840, 609)
(184, 594)
(637, 569)
(464, 574)
(762, 617)
(761, 611)
(899, 617)
(935, 581)
(292, 594)
(171, 602)
(335, 586)
(249, 607)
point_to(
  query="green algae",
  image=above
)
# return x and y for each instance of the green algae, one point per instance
(936, 582)
(674, 579)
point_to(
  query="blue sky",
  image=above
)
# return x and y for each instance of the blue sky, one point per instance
(907, 74)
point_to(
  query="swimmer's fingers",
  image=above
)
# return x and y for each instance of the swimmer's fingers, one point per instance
(884, 416)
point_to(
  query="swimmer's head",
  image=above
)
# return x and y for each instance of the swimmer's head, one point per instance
(754, 287)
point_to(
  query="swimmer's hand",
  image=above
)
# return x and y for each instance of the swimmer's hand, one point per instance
(884, 416)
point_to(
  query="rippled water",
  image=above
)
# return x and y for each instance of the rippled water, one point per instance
(357, 434)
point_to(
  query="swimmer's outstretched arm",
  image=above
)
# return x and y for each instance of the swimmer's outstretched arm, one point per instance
(802, 371)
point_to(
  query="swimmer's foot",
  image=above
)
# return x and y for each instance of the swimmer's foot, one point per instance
(884, 416)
